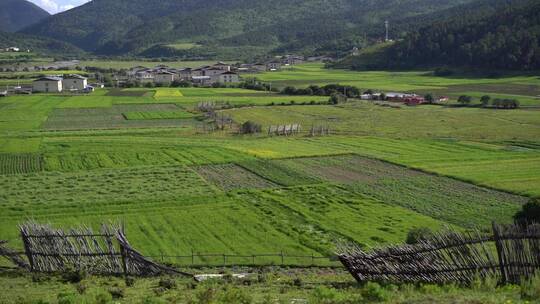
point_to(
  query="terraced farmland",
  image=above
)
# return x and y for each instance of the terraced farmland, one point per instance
(77, 159)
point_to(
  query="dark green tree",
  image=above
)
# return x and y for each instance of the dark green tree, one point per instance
(464, 99)
(429, 98)
(485, 100)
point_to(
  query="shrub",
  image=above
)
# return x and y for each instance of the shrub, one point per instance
(337, 98)
(416, 235)
(464, 99)
(325, 295)
(485, 100)
(235, 295)
(116, 292)
(81, 287)
(429, 98)
(130, 281)
(73, 275)
(167, 283)
(374, 292)
(66, 298)
(529, 213)
(250, 127)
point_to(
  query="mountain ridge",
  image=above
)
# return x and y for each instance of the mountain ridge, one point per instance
(18, 14)
(122, 27)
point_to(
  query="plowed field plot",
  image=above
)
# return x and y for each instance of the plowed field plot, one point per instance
(128, 93)
(439, 197)
(230, 177)
(111, 118)
(20, 163)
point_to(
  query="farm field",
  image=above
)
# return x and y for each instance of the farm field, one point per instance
(140, 156)
(524, 88)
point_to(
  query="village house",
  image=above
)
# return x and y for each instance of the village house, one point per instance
(164, 77)
(47, 84)
(74, 82)
(273, 66)
(213, 71)
(185, 74)
(144, 76)
(201, 80)
(222, 66)
(258, 67)
(227, 77)
(292, 60)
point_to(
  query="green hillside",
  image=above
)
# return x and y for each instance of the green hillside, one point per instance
(18, 14)
(132, 27)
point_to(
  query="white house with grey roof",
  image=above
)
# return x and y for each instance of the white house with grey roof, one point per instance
(47, 84)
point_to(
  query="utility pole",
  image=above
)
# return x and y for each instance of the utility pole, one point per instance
(386, 26)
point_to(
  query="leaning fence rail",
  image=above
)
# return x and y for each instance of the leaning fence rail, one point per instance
(55, 250)
(510, 253)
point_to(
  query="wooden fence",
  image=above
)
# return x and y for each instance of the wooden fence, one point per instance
(510, 253)
(108, 252)
(255, 259)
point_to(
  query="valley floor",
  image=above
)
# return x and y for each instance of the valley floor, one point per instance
(145, 157)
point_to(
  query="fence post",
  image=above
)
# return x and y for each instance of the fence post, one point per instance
(500, 251)
(124, 260)
(192, 257)
(27, 250)
(282, 258)
(224, 259)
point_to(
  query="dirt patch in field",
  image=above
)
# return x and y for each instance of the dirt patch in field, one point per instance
(127, 93)
(231, 177)
(349, 169)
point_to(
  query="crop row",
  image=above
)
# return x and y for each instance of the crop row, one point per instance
(20, 163)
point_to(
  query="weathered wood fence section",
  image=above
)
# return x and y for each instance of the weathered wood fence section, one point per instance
(510, 253)
(107, 252)
(284, 130)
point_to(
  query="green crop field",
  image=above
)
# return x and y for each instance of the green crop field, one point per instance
(147, 158)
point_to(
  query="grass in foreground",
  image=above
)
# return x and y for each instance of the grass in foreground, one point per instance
(264, 286)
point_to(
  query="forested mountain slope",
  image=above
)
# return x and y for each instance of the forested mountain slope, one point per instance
(493, 35)
(17, 14)
(44, 46)
(132, 26)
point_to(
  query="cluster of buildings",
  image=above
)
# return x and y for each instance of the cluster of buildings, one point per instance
(164, 75)
(58, 84)
(406, 98)
(207, 75)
